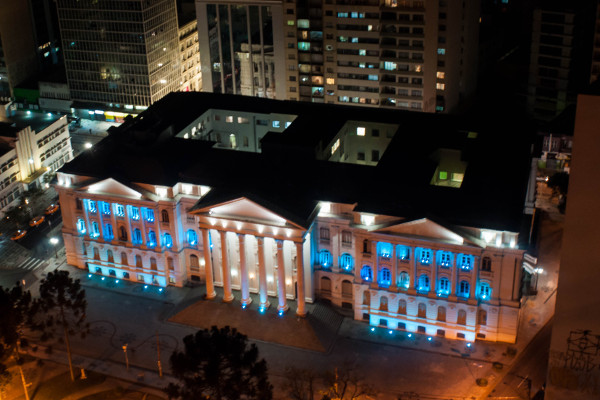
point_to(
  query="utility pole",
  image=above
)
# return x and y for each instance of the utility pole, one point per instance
(25, 384)
(158, 354)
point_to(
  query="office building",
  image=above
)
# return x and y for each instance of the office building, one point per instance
(191, 76)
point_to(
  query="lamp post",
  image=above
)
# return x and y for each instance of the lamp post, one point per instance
(126, 358)
(54, 242)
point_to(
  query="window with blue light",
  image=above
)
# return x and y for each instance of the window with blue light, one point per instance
(287, 124)
(425, 256)
(80, 226)
(325, 259)
(92, 206)
(444, 286)
(346, 262)
(463, 289)
(192, 237)
(384, 249)
(151, 238)
(134, 213)
(373, 77)
(485, 291)
(167, 240)
(149, 215)
(465, 261)
(105, 208)
(302, 46)
(276, 124)
(445, 259)
(95, 232)
(119, 210)
(441, 51)
(366, 273)
(423, 283)
(108, 232)
(403, 253)
(385, 277)
(137, 236)
(404, 280)
(342, 15)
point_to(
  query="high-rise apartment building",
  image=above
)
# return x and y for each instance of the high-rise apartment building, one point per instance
(120, 53)
(406, 54)
(191, 76)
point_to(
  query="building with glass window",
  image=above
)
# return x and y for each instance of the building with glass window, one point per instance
(120, 53)
(404, 54)
(366, 209)
(191, 76)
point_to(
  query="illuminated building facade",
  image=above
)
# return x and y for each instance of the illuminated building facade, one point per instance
(403, 54)
(382, 213)
(191, 77)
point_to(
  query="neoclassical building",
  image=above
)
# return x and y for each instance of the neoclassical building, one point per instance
(413, 221)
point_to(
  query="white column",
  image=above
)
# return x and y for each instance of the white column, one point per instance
(281, 278)
(227, 296)
(210, 287)
(262, 273)
(244, 271)
(301, 311)
(433, 286)
(474, 273)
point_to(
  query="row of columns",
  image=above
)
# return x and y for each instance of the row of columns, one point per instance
(262, 273)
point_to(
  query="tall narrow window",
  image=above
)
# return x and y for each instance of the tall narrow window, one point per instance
(194, 265)
(403, 253)
(80, 226)
(383, 303)
(151, 239)
(192, 237)
(366, 273)
(170, 264)
(444, 286)
(96, 254)
(366, 246)
(134, 213)
(167, 240)
(402, 306)
(149, 215)
(423, 283)
(325, 258)
(404, 280)
(119, 210)
(385, 277)
(346, 262)
(425, 256)
(422, 310)
(137, 236)
(164, 215)
(366, 298)
(482, 317)
(462, 317)
(108, 232)
(485, 291)
(124, 258)
(463, 289)
(95, 230)
(153, 265)
(109, 256)
(441, 314)
(122, 233)
(486, 264)
(105, 208)
(138, 261)
(324, 234)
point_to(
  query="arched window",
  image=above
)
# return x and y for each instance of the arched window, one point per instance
(366, 298)
(485, 291)
(384, 249)
(325, 284)
(423, 283)
(151, 238)
(108, 232)
(482, 317)
(403, 253)
(346, 289)
(95, 230)
(383, 303)
(366, 246)
(137, 236)
(124, 258)
(441, 316)
(324, 234)
(486, 264)
(385, 277)
(444, 286)
(138, 261)
(153, 265)
(402, 307)
(96, 254)
(109, 256)
(346, 262)
(404, 280)
(462, 317)
(122, 233)
(366, 273)
(325, 259)
(164, 215)
(192, 237)
(170, 264)
(125, 275)
(80, 226)
(168, 240)
(194, 264)
(422, 310)
(112, 272)
(463, 289)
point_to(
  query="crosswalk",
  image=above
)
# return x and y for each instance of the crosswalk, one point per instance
(30, 264)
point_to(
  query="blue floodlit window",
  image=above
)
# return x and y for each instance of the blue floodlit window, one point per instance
(385, 277)
(276, 124)
(366, 273)
(137, 236)
(149, 215)
(192, 237)
(441, 51)
(151, 239)
(168, 240)
(92, 206)
(424, 283)
(384, 249)
(342, 15)
(444, 286)
(346, 262)
(403, 253)
(465, 261)
(445, 258)
(426, 256)
(134, 213)
(81, 226)
(105, 208)
(485, 291)
(325, 258)
(404, 280)
(287, 124)
(95, 230)
(463, 289)
(119, 210)
(108, 232)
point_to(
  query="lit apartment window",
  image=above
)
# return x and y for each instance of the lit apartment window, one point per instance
(342, 15)
(425, 256)
(105, 208)
(423, 283)
(229, 119)
(465, 262)
(137, 236)
(444, 286)
(441, 75)
(385, 277)
(346, 262)
(303, 23)
(134, 212)
(361, 131)
(242, 120)
(445, 258)
(330, 81)
(108, 232)
(304, 46)
(276, 124)
(362, 52)
(457, 177)
(192, 237)
(440, 86)
(443, 175)
(403, 253)
(404, 281)
(290, 22)
(441, 51)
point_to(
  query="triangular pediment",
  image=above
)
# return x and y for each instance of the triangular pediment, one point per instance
(112, 187)
(243, 209)
(426, 228)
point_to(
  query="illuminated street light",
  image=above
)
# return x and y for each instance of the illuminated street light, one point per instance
(88, 145)
(54, 242)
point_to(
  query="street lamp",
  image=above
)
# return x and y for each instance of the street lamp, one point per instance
(54, 242)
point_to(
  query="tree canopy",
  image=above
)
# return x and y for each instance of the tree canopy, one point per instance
(218, 364)
(14, 308)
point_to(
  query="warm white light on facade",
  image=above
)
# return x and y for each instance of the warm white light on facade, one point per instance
(251, 275)
(161, 192)
(269, 278)
(325, 208)
(239, 226)
(275, 231)
(187, 189)
(224, 224)
(260, 228)
(367, 219)
(288, 281)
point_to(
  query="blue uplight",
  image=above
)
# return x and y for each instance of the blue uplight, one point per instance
(102, 278)
(262, 310)
(243, 306)
(117, 281)
(390, 331)
(468, 344)
(281, 313)
(160, 289)
(89, 275)
(410, 335)
(145, 286)
(372, 329)
(429, 338)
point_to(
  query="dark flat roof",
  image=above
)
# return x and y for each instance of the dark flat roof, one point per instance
(288, 177)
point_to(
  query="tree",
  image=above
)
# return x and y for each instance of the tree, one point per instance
(218, 364)
(61, 303)
(345, 384)
(300, 384)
